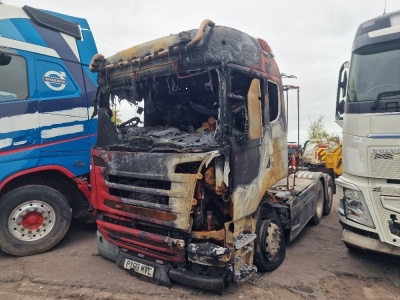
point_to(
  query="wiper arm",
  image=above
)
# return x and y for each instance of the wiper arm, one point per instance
(378, 97)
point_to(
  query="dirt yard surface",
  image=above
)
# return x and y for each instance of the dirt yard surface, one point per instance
(317, 266)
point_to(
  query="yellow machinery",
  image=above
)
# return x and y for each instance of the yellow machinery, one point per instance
(333, 160)
(323, 155)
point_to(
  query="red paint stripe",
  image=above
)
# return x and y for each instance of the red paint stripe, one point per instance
(68, 173)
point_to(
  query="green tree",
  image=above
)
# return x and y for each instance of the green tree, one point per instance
(116, 118)
(317, 130)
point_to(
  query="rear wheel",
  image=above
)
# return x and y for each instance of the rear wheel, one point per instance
(319, 205)
(269, 244)
(33, 219)
(329, 198)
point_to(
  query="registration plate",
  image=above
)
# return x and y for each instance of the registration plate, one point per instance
(139, 268)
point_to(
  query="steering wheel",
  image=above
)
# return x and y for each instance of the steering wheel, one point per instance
(132, 122)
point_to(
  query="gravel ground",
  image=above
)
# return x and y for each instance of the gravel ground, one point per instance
(317, 266)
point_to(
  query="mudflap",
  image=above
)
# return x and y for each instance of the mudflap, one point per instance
(160, 273)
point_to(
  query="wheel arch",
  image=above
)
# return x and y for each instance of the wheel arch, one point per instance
(266, 207)
(75, 189)
(317, 176)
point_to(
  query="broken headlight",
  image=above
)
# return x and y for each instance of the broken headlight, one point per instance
(356, 208)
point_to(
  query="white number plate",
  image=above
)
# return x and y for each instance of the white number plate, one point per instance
(139, 268)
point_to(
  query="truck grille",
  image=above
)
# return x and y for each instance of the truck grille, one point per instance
(384, 164)
(146, 186)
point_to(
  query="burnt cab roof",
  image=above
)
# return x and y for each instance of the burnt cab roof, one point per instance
(209, 45)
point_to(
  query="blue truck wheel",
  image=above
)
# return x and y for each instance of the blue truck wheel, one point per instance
(33, 219)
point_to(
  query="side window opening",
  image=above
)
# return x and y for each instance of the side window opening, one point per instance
(13, 78)
(273, 99)
(245, 101)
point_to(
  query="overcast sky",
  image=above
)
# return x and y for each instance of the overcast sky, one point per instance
(310, 38)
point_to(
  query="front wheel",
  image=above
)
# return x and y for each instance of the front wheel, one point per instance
(269, 244)
(33, 219)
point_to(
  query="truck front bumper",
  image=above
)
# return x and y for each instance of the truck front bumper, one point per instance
(364, 242)
(361, 237)
(163, 272)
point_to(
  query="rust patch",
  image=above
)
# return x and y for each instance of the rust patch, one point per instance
(218, 235)
(147, 212)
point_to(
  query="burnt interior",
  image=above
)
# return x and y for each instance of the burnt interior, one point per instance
(183, 100)
(180, 112)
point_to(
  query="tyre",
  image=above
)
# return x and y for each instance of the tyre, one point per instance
(269, 244)
(329, 198)
(33, 219)
(319, 205)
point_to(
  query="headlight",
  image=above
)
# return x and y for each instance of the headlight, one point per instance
(355, 207)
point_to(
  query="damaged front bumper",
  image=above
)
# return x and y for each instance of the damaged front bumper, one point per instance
(151, 269)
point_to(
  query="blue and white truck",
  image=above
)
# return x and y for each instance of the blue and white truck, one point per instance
(46, 129)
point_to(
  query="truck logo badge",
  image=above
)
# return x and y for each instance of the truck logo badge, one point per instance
(55, 80)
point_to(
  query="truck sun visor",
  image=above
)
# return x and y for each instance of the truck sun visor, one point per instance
(50, 21)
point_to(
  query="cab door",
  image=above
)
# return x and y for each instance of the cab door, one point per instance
(19, 123)
(250, 138)
(63, 111)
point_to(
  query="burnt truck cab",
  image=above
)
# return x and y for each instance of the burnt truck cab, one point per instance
(182, 188)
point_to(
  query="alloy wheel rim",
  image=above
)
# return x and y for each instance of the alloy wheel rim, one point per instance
(272, 241)
(31, 220)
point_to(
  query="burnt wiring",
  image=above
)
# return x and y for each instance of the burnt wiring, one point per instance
(95, 103)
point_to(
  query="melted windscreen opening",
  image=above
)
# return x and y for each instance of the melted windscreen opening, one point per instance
(186, 101)
(375, 72)
(174, 113)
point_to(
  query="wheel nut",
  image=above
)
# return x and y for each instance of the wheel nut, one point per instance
(22, 229)
(29, 232)
(37, 230)
(44, 224)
